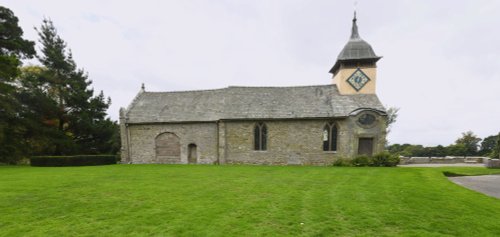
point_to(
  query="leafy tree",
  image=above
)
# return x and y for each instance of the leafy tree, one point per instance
(439, 151)
(410, 150)
(457, 150)
(464, 146)
(396, 148)
(488, 145)
(496, 150)
(13, 48)
(470, 141)
(392, 116)
(413, 150)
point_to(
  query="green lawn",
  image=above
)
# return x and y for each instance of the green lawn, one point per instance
(180, 200)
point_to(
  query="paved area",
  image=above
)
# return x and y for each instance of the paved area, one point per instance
(444, 165)
(487, 184)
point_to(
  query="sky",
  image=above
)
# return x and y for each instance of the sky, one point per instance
(440, 65)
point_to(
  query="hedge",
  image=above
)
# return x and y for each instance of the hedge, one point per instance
(79, 160)
(380, 159)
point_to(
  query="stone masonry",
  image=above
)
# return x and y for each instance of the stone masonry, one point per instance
(290, 142)
(142, 141)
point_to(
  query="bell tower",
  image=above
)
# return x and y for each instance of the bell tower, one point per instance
(355, 71)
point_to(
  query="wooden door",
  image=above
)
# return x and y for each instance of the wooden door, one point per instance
(365, 146)
(192, 154)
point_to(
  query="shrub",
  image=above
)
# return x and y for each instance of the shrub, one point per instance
(342, 162)
(362, 160)
(380, 159)
(80, 160)
(385, 159)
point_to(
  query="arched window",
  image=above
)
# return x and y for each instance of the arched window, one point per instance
(260, 137)
(330, 137)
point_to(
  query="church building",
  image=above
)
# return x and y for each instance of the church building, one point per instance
(296, 125)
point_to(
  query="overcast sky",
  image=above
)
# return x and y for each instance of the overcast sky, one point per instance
(440, 65)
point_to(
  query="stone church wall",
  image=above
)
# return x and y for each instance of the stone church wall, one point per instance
(289, 142)
(294, 142)
(142, 141)
(357, 131)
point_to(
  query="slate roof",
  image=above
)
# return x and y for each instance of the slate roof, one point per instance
(235, 103)
(356, 49)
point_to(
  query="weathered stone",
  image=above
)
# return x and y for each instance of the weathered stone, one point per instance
(473, 159)
(142, 142)
(492, 163)
(419, 160)
(290, 142)
(441, 160)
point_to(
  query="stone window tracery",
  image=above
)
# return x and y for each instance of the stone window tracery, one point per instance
(260, 137)
(330, 137)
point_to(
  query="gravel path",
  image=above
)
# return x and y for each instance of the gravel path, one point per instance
(487, 184)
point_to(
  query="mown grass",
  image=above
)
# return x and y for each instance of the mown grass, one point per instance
(170, 200)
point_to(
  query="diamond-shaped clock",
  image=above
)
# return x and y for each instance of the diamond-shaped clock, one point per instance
(358, 79)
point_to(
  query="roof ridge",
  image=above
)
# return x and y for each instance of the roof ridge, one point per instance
(203, 90)
(280, 86)
(229, 87)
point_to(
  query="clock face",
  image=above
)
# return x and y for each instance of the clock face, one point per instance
(358, 80)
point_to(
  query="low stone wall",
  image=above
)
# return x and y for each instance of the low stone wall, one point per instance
(475, 159)
(492, 163)
(441, 160)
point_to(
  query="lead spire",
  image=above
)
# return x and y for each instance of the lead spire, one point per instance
(356, 49)
(354, 31)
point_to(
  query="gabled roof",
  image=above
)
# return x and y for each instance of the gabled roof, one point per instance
(238, 103)
(356, 49)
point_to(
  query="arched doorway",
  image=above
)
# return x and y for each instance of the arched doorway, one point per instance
(168, 148)
(192, 154)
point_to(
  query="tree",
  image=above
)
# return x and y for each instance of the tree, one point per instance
(470, 141)
(457, 150)
(488, 145)
(392, 116)
(413, 150)
(79, 115)
(39, 111)
(439, 151)
(13, 48)
(496, 150)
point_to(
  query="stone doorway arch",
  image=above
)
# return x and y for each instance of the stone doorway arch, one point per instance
(192, 154)
(168, 148)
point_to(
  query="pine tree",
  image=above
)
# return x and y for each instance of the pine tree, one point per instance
(39, 111)
(13, 48)
(79, 114)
